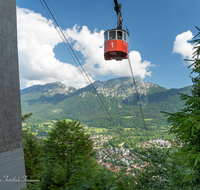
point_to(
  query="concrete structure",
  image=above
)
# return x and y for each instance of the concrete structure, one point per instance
(12, 169)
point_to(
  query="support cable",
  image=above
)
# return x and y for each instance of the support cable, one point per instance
(65, 40)
(68, 48)
(138, 97)
(78, 54)
(63, 37)
(82, 67)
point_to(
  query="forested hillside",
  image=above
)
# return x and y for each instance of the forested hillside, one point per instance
(56, 101)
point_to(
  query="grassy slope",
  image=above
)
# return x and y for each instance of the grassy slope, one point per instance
(125, 113)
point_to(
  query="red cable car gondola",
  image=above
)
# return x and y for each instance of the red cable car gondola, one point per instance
(116, 44)
(116, 40)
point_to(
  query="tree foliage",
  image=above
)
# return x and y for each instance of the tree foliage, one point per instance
(69, 162)
(26, 116)
(33, 155)
(178, 168)
(185, 124)
(69, 155)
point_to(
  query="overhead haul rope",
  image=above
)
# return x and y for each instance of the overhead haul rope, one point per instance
(78, 54)
(65, 31)
(85, 71)
(65, 39)
(79, 64)
(138, 97)
(69, 50)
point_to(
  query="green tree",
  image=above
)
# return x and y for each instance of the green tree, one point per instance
(106, 145)
(69, 156)
(26, 116)
(178, 167)
(185, 124)
(159, 171)
(33, 157)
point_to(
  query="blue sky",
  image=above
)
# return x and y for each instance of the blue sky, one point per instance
(159, 34)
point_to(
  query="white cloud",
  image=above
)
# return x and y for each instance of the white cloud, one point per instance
(91, 46)
(37, 39)
(182, 46)
(139, 68)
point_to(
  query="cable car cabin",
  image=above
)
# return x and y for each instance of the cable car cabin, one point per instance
(115, 44)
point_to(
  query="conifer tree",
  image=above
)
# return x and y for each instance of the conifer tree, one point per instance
(185, 124)
(33, 157)
(26, 116)
(69, 156)
(178, 168)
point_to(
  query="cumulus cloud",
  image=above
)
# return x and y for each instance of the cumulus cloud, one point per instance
(37, 38)
(91, 47)
(182, 46)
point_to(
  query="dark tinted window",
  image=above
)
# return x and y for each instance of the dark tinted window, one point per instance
(125, 36)
(119, 35)
(106, 36)
(112, 35)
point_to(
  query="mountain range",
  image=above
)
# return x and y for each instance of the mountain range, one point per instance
(56, 101)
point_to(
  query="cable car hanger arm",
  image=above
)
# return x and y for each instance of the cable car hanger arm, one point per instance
(119, 14)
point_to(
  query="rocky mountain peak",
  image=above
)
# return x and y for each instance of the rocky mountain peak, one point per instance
(50, 89)
(123, 87)
(117, 87)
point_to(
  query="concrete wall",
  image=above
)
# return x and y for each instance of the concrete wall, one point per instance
(12, 174)
(11, 143)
